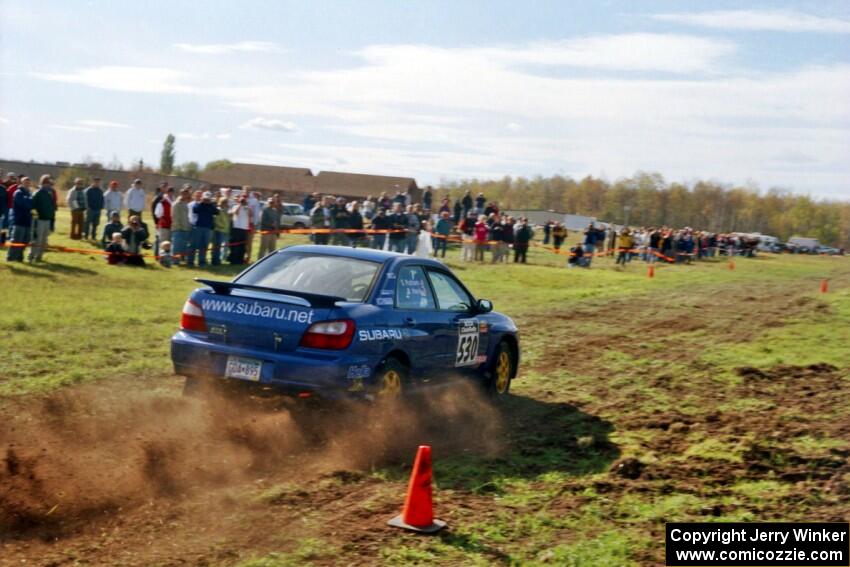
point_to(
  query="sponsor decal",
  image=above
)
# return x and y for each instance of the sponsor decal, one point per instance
(481, 359)
(386, 291)
(257, 309)
(483, 327)
(384, 301)
(379, 334)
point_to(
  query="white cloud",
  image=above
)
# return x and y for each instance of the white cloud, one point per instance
(102, 124)
(761, 20)
(72, 128)
(260, 123)
(223, 48)
(129, 79)
(193, 136)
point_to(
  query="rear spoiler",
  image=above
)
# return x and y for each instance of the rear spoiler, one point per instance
(315, 299)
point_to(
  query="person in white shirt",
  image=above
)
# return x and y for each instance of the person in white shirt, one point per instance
(256, 206)
(77, 204)
(134, 200)
(242, 217)
(112, 200)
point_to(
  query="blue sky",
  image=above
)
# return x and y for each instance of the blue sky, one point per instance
(741, 93)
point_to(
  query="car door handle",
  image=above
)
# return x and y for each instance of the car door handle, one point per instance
(410, 321)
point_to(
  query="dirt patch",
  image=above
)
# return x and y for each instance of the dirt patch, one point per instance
(785, 371)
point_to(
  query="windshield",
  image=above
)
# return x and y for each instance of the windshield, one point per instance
(315, 273)
(294, 209)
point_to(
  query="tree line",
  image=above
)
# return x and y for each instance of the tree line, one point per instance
(646, 199)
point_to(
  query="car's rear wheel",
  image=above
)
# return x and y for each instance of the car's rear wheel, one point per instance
(502, 371)
(391, 379)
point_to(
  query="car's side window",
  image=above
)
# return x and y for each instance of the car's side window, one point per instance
(450, 295)
(412, 289)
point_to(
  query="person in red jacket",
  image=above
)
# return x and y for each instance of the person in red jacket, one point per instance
(162, 214)
(481, 233)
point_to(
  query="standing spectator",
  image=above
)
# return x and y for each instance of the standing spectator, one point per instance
(467, 203)
(205, 212)
(467, 229)
(256, 209)
(45, 214)
(4, 211)
(412, 228)
(181, 226)
(457, 212)
(134, 200)
(625, 242)
(112, 199)
(110, 229)
(441, 234)
(320, 218)
(547, 232)
(589, 243)
(399, 199)
(20, 221)
(480, 200)
(497, 237)
(398, 225)
(341, 218)
(94, 204)
(385, 202)
(135, 236)
(380, 222)
(522, 236)
(162, 217)
(445, 207)
(76, 199)
(481, 232)
(559, 234)
(653, 245)
(369, 207)
(157, 197)
(269, 226)
(221, 231)
(192, 248)
(241, 221)
(355, 222)
(310, 201)
(427, 199)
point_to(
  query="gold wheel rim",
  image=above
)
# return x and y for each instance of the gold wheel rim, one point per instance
(390, 384)
(503, 372)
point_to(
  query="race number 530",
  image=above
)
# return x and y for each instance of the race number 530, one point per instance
(467, 344)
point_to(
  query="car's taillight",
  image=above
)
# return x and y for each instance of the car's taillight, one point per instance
(192, 318)
(331, 335)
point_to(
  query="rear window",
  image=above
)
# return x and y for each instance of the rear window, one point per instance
(315, 273)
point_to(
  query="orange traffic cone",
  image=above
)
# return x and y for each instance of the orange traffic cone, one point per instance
(824, 286)
(651, 272)
(731, 264)
(418, 513)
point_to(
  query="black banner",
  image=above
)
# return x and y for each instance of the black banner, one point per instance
(742, 544)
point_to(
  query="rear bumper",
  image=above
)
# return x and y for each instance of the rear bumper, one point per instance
(326, 375)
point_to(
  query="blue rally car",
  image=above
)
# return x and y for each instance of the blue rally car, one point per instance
(335, 322)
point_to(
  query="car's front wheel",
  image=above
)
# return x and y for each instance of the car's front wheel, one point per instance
(501, 371)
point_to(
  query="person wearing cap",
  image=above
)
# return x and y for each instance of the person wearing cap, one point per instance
(44, 211)
(113, 200)
(269, 226)
(240, 214)
(134, 199)
(204, 213)
(20, 221)
(76, 199)
(94, 204)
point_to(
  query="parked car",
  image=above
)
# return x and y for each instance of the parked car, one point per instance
(802, 245)
(293, 216)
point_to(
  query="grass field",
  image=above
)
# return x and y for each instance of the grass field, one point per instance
(702, 394)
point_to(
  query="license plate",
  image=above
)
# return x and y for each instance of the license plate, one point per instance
(243, 368)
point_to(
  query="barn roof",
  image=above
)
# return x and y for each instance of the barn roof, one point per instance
(262, 177)
(361, 185)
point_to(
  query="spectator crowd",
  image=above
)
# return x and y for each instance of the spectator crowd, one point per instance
(196, 226)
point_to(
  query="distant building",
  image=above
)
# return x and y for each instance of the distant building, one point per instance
(290, 181)
(361, 185)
